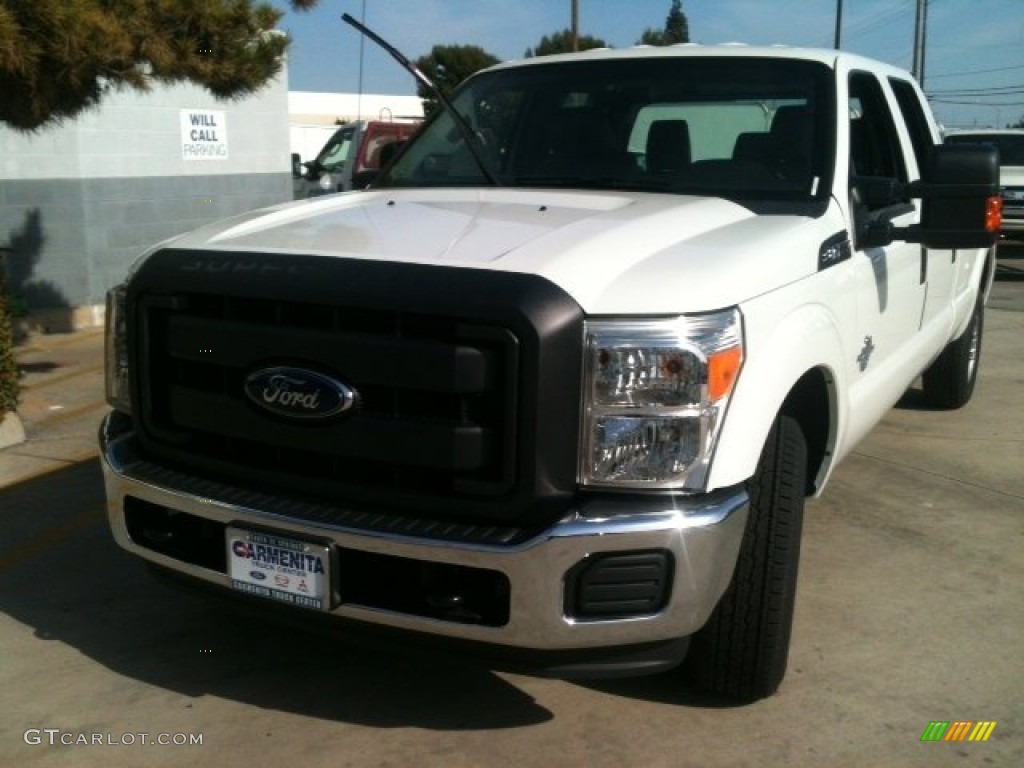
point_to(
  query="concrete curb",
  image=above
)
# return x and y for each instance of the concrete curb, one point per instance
(11, 431)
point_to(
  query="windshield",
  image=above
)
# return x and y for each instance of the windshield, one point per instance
(335, 152)
(1010, 145)
(744, 128)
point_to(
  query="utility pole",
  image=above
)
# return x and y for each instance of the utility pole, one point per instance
(839, 22)
(575, 25)
(920, 35)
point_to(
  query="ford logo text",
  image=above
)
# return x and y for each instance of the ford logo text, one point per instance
(298, 393)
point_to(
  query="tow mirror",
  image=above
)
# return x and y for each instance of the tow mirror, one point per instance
(959, 191)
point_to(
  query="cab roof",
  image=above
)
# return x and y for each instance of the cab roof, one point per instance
(829, 57)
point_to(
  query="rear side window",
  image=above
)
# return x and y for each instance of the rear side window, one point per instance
(914, 117)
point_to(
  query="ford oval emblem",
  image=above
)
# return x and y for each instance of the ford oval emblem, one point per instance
(258, 575)
(298, 393)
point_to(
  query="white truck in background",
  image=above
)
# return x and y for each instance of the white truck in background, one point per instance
(556, 386)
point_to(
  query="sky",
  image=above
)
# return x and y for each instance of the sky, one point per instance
(974, 65)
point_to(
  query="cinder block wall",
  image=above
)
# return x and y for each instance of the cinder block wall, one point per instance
(79, 202)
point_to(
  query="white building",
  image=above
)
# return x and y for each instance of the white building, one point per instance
(312, 108)
(79, 201)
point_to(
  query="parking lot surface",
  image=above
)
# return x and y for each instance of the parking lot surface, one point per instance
(909, 612)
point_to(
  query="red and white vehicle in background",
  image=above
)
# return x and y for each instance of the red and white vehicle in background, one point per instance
(355, 149)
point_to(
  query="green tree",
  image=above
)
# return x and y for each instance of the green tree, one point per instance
(561, 42)
(677, 29)
(447, 66)
(1018, 124)
(58, 57)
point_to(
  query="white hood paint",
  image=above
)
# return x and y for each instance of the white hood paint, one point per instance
(603, 248)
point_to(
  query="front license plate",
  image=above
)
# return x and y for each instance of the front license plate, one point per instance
(281, 568)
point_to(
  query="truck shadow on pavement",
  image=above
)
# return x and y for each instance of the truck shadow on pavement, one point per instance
(62, 575)
(914, 400)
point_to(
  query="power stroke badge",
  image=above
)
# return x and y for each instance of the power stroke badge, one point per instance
(298, 393)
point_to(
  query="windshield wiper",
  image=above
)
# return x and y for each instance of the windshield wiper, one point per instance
(467, 133)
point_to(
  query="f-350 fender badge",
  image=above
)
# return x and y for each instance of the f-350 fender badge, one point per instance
(865, 353)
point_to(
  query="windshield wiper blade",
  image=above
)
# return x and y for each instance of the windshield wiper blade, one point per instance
(467, 133)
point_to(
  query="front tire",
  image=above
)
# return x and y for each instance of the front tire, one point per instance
(741, 653)
(949, 381)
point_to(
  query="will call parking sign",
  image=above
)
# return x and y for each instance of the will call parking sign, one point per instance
(204, 134)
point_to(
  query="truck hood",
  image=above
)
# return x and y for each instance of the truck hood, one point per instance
(681, 253)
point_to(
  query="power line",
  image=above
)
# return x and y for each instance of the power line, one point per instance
(978, 103)
(869, 24)
(1010, 90)
(977, 72)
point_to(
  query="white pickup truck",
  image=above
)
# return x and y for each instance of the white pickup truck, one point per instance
(555, 388)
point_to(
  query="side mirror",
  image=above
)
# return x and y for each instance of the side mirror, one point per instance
(889, 198)
(296, 165)
(312, 170)
(960, 196)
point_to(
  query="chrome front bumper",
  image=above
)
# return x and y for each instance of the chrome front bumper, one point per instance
(703, 534)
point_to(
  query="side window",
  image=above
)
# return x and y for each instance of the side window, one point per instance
(333, 156)
(917, 122)
(874, 143)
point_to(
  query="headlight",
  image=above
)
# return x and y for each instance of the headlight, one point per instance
(654, 395)
(117, 375)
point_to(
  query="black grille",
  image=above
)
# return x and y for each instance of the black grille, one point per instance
(454, 415)
(437, 396)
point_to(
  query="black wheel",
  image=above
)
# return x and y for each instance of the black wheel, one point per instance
(741, 653)
(949, 381)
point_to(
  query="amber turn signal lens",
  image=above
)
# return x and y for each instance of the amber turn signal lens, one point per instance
(993, 214)
(723, 367)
